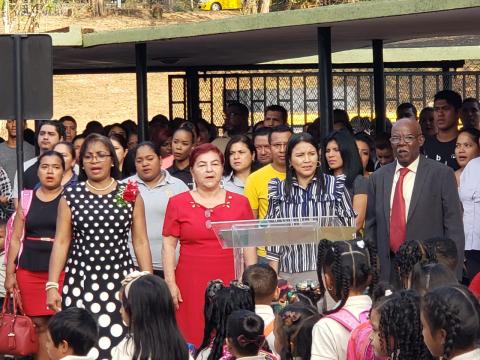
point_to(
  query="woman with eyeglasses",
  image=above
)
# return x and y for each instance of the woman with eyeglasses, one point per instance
(94, 221)
(341, 157)
(28, 259)
(188, 220)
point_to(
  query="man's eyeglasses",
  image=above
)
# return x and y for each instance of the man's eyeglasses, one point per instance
(407, 138)
(100, 157)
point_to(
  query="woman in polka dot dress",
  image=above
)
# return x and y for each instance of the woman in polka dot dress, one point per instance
(93, 224)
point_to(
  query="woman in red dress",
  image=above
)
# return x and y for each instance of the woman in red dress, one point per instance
(188, 220)
(28, 259)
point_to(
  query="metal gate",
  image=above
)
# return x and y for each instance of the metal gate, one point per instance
(297, 91)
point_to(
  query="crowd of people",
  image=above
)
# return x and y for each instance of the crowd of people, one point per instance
(112, 248)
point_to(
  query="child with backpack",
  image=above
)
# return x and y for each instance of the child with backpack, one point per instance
(397, 331)
(451, 323)
(347, 270)
(360, 345)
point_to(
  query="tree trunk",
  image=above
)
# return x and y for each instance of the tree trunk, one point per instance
(6, 17)
(249, 7)
(98, 7)
(265, 6)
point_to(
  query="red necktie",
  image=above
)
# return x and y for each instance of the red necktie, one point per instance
(398, 222)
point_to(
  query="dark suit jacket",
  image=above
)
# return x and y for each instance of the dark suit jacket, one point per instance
(435, 209)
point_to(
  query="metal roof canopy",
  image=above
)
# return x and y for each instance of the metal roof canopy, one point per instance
(249, 40)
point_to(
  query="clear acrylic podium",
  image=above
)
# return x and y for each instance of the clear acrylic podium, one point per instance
(237, 235)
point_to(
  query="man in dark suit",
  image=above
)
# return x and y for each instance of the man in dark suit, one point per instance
(413, 198)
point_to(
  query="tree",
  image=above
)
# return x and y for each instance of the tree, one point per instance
(5, 8)
(98, 7)
(265, 8)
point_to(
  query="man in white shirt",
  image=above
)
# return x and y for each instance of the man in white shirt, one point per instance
(425, 204)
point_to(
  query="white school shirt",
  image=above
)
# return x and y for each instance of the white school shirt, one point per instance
(408, 182)
(125, 349)
(330, 338)
(471, 355)
(267, 315)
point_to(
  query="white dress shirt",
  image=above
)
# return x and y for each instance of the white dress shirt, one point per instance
(469, 192)
(408, 183)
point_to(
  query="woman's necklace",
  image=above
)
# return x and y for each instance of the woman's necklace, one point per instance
(103, 189)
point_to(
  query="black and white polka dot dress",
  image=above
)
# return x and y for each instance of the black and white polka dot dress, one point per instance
(99, 259)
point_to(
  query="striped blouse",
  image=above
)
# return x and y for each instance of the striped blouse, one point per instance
(333, 201)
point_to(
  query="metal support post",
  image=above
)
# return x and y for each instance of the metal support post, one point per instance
(193, 96)
(325, 81)
(142, 92)
(379, 86)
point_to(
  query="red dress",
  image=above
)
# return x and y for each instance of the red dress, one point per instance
(201, 257)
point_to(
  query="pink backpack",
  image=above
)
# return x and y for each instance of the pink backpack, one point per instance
(347, 319)
(26, 201)
(359, 345)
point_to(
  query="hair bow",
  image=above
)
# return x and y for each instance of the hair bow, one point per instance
(213, 287)
(131, 278)
(244, 341)
(290, 317)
